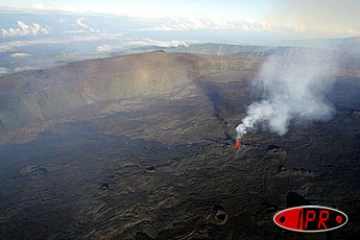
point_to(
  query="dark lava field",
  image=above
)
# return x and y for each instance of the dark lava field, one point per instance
(90, 157)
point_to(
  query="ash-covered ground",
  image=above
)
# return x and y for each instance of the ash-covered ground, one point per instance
(166, 168)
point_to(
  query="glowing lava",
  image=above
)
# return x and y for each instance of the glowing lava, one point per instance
(237, 144)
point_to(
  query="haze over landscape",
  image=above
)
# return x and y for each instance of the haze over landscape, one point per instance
(37, 35)
(118, 119)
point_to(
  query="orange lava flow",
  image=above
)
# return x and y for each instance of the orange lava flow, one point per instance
(237, 144)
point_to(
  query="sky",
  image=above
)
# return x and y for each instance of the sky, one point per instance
(326, 14)
(312, 19)
(226, 9)
(66, 27)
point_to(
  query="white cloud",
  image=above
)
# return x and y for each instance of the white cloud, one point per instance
(11, 46)
(19, 69)
(83, 25)
(352, 32)
(24, 30)
(183, 24)
(108, 48)
(39, 6)
(43, 7)
(20, 55)
(3, 70)
(152, 42)
(267, 26)
(189, 24)
(76, 31)
(141, 42)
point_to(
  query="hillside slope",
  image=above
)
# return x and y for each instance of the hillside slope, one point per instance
(32, 96)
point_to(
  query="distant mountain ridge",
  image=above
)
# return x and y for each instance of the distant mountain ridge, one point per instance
(228, 49)
(33, 96)
(351, 44)
(219, 49)
(348, 60)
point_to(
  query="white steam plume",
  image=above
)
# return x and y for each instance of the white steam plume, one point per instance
(294, 87)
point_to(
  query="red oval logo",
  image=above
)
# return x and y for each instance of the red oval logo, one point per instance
(310, 218)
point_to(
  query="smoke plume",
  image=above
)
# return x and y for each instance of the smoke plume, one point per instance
(294, 87)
